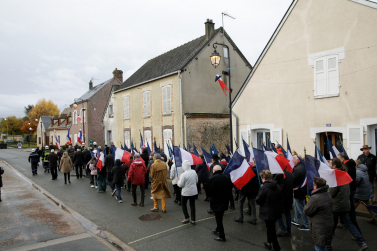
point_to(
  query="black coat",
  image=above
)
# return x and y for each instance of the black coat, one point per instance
(370, 162)
(270, 200)
(109, 163)
(1, 179)
(118, 173)
(202, 172)
(145, 157)
(299, 175)
(251, 189)
(286, 185)
(53, 159)
(351, 170)
(34, 158)
(78, 158)
(87, 156)
(163, 155)
(319, 211)
(60, 154)
(219, 188)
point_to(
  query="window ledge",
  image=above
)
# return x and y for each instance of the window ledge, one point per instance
(168, 114)
(326, 96)
(146, 117)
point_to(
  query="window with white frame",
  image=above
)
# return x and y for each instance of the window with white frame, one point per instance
(168, 135)
(326, 72)
(326, 76)
(166, 100)
(148, 138)
(126, 107)
(147, 103)
(127, 138)
(110, 111)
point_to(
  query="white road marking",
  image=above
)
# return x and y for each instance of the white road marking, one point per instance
(183, 225)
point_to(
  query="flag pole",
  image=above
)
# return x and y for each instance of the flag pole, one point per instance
(257, 169)
(307, 189)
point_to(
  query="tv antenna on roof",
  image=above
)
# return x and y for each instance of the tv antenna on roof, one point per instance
(222, 17)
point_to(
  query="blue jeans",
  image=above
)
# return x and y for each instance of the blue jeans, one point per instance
(101, 182)
(118, 188)
(287, 213)
(110, 183)
(318, 248)
(371, 189)
(298, 206)
(345, 218)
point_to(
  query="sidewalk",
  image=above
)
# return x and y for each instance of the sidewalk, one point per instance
(29, 221)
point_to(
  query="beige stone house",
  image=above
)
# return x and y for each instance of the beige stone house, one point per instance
(174, 96)
(317, 74)
(59, 124)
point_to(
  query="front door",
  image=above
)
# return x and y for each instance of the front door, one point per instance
(335, 138)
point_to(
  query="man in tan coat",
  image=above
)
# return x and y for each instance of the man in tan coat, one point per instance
(160, 189)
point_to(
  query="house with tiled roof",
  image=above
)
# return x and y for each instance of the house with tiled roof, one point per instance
(90, 108)
(44, 123)
(174, 96)
(59, 125)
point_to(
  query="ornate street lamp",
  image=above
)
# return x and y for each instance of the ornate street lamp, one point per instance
(215, 58)
(215, 61)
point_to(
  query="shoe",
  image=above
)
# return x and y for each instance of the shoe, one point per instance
(116, 197)
(69, 181)
(120, 201)
(219, 239)
(185, 221)
(92, 186)
(252, 222)
(340, 225)
(133, 204)
(364, 247)
(164, 211)
(176, 201)
(128, 190)
(267, 245)
(295, 223)
(232, 208)
(141, 204)
(95, 186)
(113, 192)
(179, 203)
(281, 233)
(247, 212)
(303, 228)
(65, 183)
(215, 232)
(154, 209)
(210, 211)
(192, 222)
(206, 199)
(238, 220)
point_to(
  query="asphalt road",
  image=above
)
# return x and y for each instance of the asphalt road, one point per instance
(122, 220)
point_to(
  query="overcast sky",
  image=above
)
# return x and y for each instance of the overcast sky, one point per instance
(51, 49)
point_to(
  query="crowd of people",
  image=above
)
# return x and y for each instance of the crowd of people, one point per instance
(276, 194)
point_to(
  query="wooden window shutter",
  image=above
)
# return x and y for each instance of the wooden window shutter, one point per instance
(168, 99)
(126, 108)
(333, 74)
(320, 77)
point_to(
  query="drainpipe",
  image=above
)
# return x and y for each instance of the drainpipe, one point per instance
(237, 124)
(181, 104)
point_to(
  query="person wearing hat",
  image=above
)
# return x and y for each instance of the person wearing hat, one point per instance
(53, 164)
(215, 161)
(34, 160)
(369, 160)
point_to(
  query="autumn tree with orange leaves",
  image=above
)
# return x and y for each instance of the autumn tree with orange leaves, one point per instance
(43, 108)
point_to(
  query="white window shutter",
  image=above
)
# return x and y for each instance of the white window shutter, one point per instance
(164, 100)
(333, 74)
(167, 133)
(149, 103)
(148, 138)
(144, 103)
(126, 108)
(277, 135)
(355, 140)
(168, 99)
(320, 76)
(127, 138)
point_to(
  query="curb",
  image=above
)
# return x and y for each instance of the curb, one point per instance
(87, 224)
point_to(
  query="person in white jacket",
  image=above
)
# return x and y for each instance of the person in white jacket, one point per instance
(175, 173)
(187, 181)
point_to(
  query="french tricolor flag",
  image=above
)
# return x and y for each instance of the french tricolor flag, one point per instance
(122, 155)
(181, 155)
(269, 160)
(239, 171)
(79, 137)
(207, 158)
(101, 161)
(221, 82)
(316, 168)
(57, 141)
(291, 165)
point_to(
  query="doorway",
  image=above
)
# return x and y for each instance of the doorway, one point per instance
(335, 138)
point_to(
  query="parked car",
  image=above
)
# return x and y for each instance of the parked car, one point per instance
(10, 142)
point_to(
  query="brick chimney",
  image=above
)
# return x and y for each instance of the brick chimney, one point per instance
(118, 74)
(210, 29)
(90, 85)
